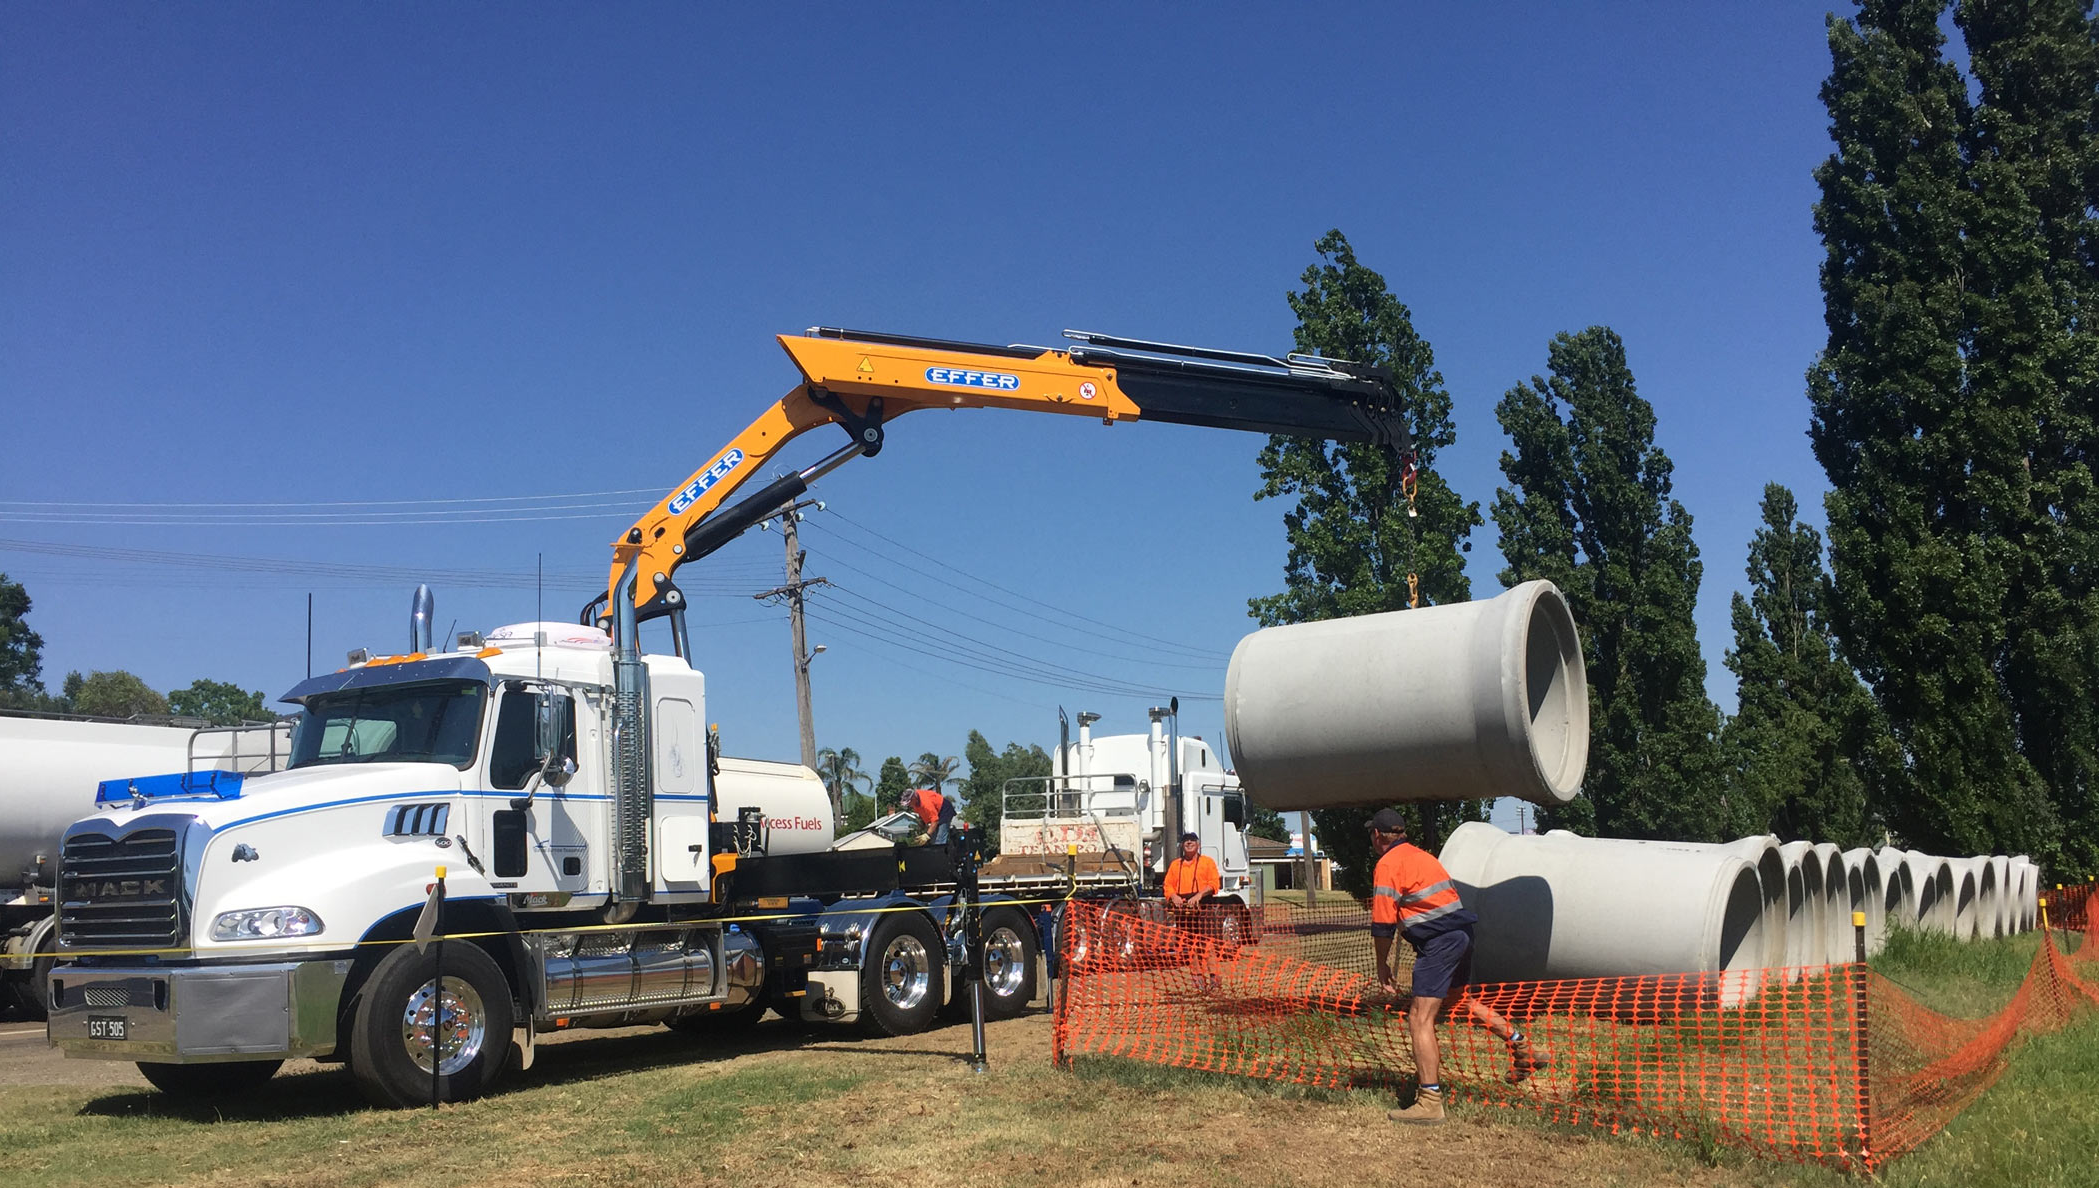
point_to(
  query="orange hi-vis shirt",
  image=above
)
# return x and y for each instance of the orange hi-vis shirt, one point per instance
(926, 803)
(1414, 895)
(1189, 878)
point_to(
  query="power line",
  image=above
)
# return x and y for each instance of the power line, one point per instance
(84, 504)
(1049, 606)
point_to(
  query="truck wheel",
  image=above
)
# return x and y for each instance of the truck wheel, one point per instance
(391, 1038)
(901, 985)
(210, 1080)
(35, 993)
(1010, 950)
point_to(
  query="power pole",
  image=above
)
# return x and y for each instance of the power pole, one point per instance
(792, 591)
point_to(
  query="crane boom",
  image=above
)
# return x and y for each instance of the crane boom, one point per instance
(862, 380)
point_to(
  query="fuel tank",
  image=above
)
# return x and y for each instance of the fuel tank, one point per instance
(791, 800)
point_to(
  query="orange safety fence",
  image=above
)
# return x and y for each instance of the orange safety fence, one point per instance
(1828, 1064)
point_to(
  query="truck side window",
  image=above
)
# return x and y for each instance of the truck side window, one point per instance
(510, 762)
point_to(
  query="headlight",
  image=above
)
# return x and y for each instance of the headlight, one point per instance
(265, 924)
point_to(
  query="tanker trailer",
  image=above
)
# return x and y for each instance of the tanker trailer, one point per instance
(50, 768)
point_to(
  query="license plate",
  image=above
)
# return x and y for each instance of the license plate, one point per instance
(99, 1027)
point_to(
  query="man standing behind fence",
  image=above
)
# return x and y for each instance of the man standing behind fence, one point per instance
(1415, 898)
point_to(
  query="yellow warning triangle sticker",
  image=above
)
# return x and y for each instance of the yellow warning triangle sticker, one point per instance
(866, 367)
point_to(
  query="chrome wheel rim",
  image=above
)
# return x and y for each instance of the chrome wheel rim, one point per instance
(459, 1021)
(1005, 961)
(907, 972)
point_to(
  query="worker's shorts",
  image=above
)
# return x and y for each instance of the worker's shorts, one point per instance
(1443, 963)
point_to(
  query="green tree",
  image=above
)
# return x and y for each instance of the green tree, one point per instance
(1357, 545)
(840, 772)
(21, 650)
(2030, 283)
(1930, 464)
(988, 772)
(222, 703)
(117, 694)
(891, 785)
(1806, 748)
(1266, 822)
(859, 812)
(1589, 507)
(934, 771)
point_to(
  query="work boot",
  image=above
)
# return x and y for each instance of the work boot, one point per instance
(1525, 1059)
(1427, 1109)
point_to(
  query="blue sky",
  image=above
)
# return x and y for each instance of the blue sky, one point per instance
(304, 255)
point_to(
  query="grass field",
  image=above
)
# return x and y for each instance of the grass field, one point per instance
(786, 1105)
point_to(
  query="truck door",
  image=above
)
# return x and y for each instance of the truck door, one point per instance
(682, 797)
(557, 848)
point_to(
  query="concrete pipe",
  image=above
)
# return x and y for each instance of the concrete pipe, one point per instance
(1933, 881)
(1761, 853)
(1806, 936)
(1560, 906)
(2007, 895)
(2028, 883)
(1963, 876)
(1899, 893)
(1461, 702)
(1868, 895)
(1837, 942)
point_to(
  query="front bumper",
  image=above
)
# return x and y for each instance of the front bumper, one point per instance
(199, 1014)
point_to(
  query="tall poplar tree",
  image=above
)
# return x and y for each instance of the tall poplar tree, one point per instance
(1806, 748)
(1352, 541)
(2032, 284)
(1589, 508)
(1929, 476)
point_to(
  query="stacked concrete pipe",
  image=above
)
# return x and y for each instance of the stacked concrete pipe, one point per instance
(1934, 891)
(1763, 857)
(1964, 902)
(1868, 895)
(1467, 701)
(1805, 902)
(1900, 893)
(1560, 906)
(1837, 943)
(2007, 895)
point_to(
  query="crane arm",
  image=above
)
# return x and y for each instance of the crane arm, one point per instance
(863, 380)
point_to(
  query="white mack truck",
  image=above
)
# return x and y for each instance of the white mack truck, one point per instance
(605, 866)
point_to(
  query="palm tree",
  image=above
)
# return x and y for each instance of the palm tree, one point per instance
(840, 772)
(934, 771)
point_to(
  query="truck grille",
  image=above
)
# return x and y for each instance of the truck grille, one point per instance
(121, 892)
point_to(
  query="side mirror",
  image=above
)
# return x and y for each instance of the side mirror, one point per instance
(552, 730)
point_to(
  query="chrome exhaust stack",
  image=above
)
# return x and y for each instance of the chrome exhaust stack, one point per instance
(631, 799)
(422, 615)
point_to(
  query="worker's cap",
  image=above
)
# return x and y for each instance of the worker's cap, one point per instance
(1192, 837)
(1388, 821)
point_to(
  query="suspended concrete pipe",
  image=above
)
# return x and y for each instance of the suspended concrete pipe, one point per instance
(1804, 901)
(1837, 943)
(1468, 701)
(1868, 895)
(1561, 906)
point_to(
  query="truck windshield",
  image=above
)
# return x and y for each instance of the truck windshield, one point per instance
(434, 723)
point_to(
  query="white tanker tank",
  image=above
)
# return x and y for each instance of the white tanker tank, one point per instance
(49, 771)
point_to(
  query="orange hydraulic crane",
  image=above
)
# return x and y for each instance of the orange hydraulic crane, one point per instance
(862, 381)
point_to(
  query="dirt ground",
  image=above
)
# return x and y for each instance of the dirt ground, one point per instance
(909, 1111)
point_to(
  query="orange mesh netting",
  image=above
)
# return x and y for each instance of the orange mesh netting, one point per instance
(1772, 1060)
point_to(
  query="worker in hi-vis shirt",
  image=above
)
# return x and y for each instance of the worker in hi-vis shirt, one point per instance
(1414, 897)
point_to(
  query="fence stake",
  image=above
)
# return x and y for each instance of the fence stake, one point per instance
(1860, 1046)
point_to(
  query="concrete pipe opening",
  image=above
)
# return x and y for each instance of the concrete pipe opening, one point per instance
(1837, 941)
(1869, 895)
(1965, 905)
(1805, 902)
(1468, 701)
(1899, 894)
(2007, 895)
(1762, 855)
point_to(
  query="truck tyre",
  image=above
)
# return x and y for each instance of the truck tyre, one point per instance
(210, 1080)
(901, 986)
(1010, 950)
(390, 1036)
(35, 992)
